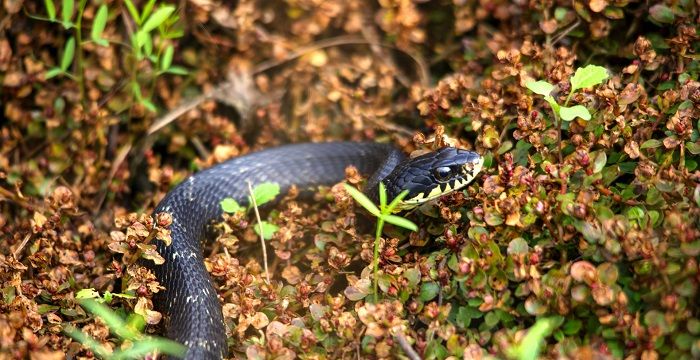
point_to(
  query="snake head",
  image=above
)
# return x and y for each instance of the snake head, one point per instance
(432, 175)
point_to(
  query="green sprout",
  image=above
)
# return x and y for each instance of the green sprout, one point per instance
(584, 77)
(262, 194)
(383, 213)
(128, 331)
(529, 348)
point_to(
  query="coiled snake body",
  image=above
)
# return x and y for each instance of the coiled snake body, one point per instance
(189, 302)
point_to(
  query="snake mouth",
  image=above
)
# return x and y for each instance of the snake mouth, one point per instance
(466, 175)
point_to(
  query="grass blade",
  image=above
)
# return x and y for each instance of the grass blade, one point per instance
(133, 12)
(68, 53)
(363, 200)
(167, 58)
(98, 26)
(158, 18)
(67, 12)
(396, 201)
(402, 222)
(50, 9)
(116, 324)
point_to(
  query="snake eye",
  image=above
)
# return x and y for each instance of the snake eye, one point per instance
(442, 173)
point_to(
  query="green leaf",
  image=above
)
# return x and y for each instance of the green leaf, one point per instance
(149, 105)
(650, 144)
(177, 70)
(67, 13)
(662, 14)
(529, 348)
(148, 345)
(110, 318)
(141, 38)
(53, 72)
(429, 291)
(363, 200)
(167, 58)
(635, 212)
(87, 294)
(231, 206)
(97, 348)
(382, 195)
(693, 148)
(68, 53)
(147, 9)
(399, 221)
(158, 18)
(599, 161)
(98, 25)
(50, 9)
(265, 192)
(570, 113)
(133, 12)
(553, 103)
(540, 87)
(268, 229)
(394, 203)
(588, 76)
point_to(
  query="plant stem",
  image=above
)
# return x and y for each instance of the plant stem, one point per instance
(79, 39)
(380, 226)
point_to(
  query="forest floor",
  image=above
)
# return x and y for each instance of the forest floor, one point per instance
(581, 233)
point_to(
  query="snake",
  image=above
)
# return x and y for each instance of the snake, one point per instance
(190, 304)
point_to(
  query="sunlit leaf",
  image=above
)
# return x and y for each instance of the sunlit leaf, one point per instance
(570, 113)
(110, 318)
(588, 76)
(53, 72)
(363, 200)
(394, 203)
(599, 161)
(68, 53)
(98, 25)
(158, 17)
(50, 9)
(67, 13)
(268, 229)
(399, 221)
(529, 348)
(133, 12)
(87, 294)
(167, 58)
(231, 206)
(265, 192)
(540, 87)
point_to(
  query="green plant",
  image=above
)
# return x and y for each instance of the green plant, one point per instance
(383, 213)
(159, 51)
(262, 194)
(585, 77)
(107, 297)
(531, 345)
(134, 343)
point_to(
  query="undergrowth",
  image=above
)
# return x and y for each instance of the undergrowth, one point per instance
(580, 234)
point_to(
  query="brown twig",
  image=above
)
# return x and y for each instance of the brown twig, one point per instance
(10, 196)
(262, 232)
(406, 347)
(22, 245)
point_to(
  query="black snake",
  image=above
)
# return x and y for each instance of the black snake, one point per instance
(189, 303)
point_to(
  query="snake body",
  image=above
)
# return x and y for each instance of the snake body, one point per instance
(190, 302)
